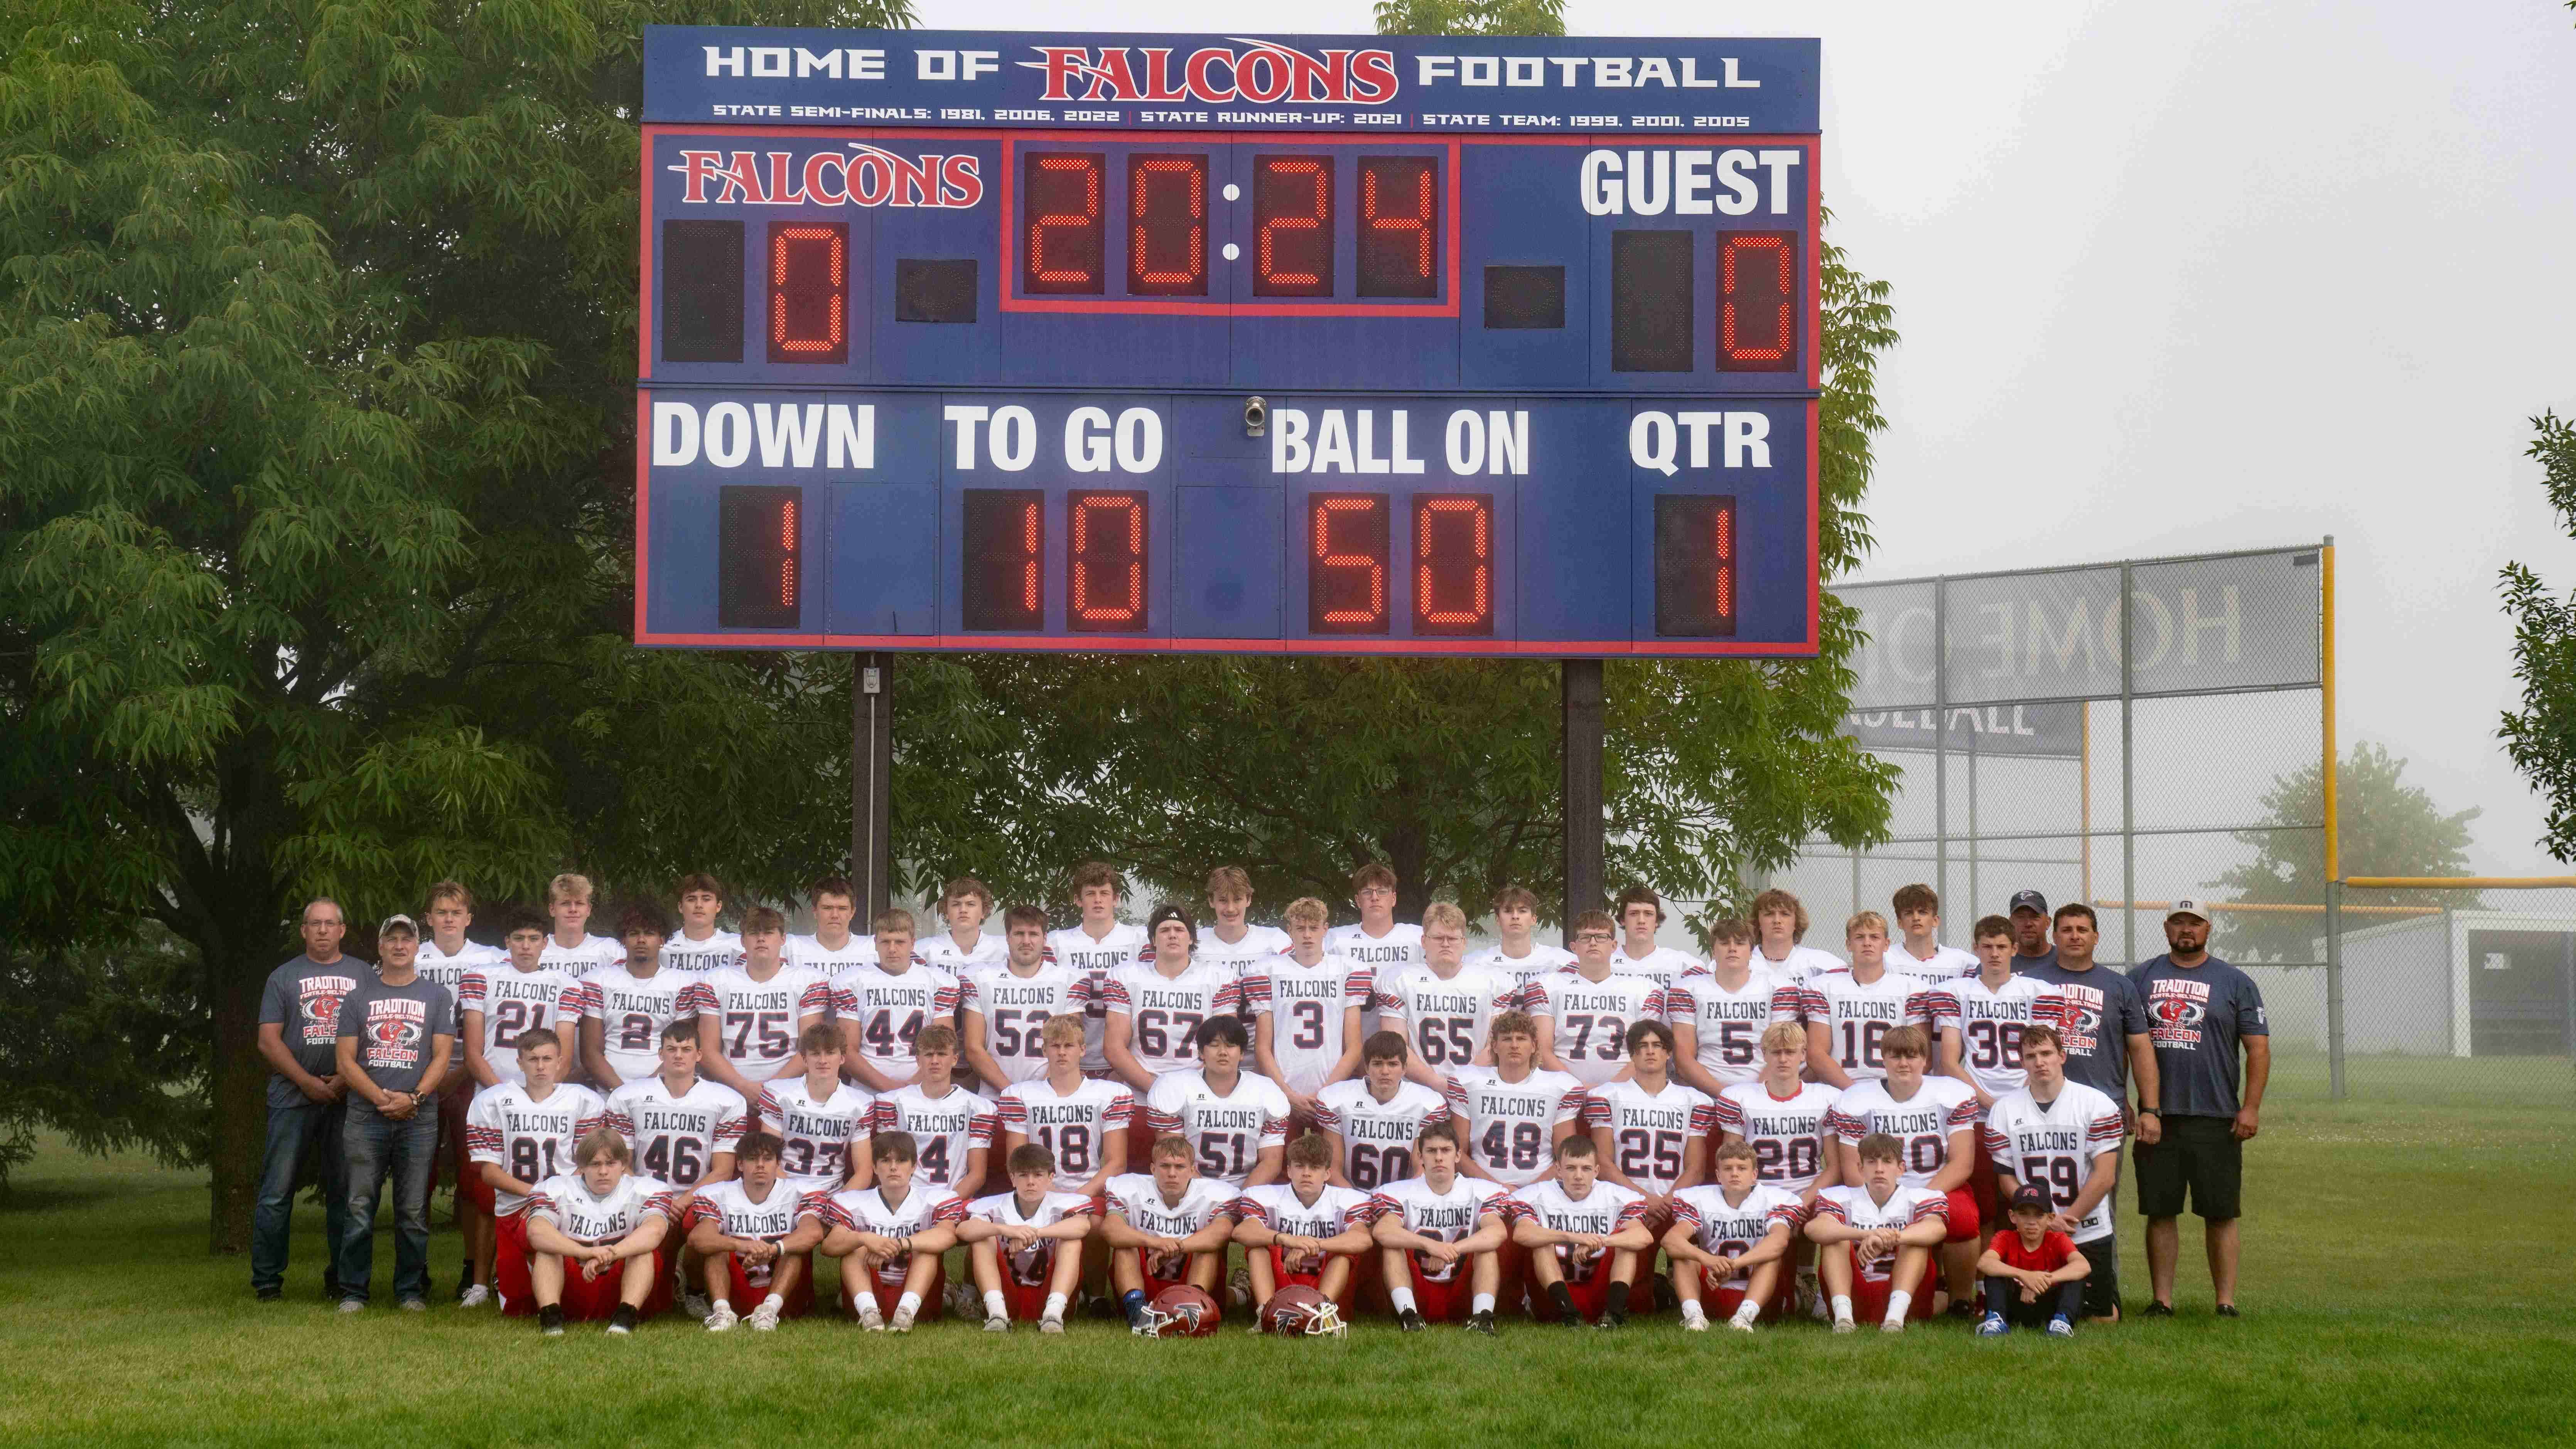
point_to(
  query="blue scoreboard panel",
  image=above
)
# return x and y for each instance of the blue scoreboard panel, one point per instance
(1393, 345)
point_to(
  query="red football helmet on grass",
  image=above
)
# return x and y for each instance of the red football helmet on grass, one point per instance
(1182, 1311)
(1297, 1311)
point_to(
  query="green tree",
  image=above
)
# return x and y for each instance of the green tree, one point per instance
(1471, 17)
(2540, 737)
(2389, 828)
(316, 357)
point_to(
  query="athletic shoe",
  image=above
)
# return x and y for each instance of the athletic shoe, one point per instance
(765, 1317)
(2228, 1310)
(413, 1305)
(1050, 1325)
(871, 1317)
(2058, 1327)
(353, 1305)
(1844, 1325)
(901, 1322)
(550, 1320)
(997, 1325)
(722, 1319)
(1995, 1327)
(1963, 1310)
(619, 1330)
(474, 1296)
(1482, 1323)
(2156, 1310)
(1739, 1325)
(1567, 1320)
(1612, 1322)
(266, 1295)
(1893, 1325)
(622, 1321)
(1410, 1320)
(1238, 1288)
(1695, 1325)
(696, 1305)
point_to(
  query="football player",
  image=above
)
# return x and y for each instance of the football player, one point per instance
(1781, 1116)
(1094, 949)
(1652, 1131)
(822, 1122)
(1005, 1007)
(570, 948)
(522, 1133)
(595, 1239)
(883, 1005)
(1512, 1114)
(1583, 1012)
(1735, 1233)
(1307, 1005)
(751, 1238)
(2063, 1137)
(701, 945)
(889, 1238)
(1304, 1231)
(1876, 1238)
(501, 1002)
(1641, 915)
(1934, 1122)
(1519, 955)
(1440, 1237)
(1236, 1121)
(683, 1129)
(965, 905)
(445, 958)
(1443, 1007)
(1921, 954)
(623, 1008)
(1780, 920)
(1370, 1125)
(1165, 1227)
(1081, 1121)
(1980, 1019)
(750, 1013)
(1719, 1011)
(1233, 943)
(952, 1129)
(1156, 1006)
(1377, 942)
(1015, 1238)
(833, 948)
(1583, 1237)
(1850, 1012)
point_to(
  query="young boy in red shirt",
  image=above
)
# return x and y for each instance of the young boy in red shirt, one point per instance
(2034, 1277)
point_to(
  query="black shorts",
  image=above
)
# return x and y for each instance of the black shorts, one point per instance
(2200, 1155)
(2102, 1285)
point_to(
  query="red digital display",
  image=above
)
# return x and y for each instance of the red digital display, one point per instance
(1694, 567)
(1453, 564)
(1005, 575)
(1292, 218)
(809, 292)
(1062, 240)
(759, 552)
(1105, 562)
(1346, 563)
(1167, 210)
(1399, 224)
(1757, 309)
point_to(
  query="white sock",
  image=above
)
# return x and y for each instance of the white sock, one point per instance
(908, 1305)
(1692, 1312)
(1054, 1306)
(1747, 1311)
(774, 1300)
(1402, 1298)
(994, 1306)
(1897, 1303)
(1484, 1304)
(1842, 1308)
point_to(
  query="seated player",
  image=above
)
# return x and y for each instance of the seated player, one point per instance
(1782, 1117)
(1081, 1121)
(683, 1128)
(1236, 1121)
(1583, 1237)
(951, 1127)
(2033, 1275)
(1170, 1226)
(1014, 1239)
(1306, 1230)
(1440, 1237)
(822, 1121)
(1512, 1114)
(519, 1134)
(889, 1238)
(595, 1239)
(1890, 1230)
(1370, 1124)
(1736, 1232)
(1934, 1121)
(751, 1238)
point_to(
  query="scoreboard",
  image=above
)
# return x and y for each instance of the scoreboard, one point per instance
(1395, 345)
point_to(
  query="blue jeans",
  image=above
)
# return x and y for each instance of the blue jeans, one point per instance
(295, 1132)
(407, 1151)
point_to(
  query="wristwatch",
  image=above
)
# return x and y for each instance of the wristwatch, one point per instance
(2150, 1112)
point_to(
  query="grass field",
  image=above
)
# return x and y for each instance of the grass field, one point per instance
(2407, 1279)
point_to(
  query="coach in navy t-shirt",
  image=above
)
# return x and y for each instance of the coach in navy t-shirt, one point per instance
(2201, 1012)
(2105, 1024)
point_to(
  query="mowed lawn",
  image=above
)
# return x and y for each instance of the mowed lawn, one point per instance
(2407, 1280)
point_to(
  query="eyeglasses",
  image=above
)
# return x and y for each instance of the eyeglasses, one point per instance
(1592, 935)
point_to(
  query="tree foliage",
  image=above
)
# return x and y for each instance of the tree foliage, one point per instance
(2389, 828)
(1471, 17)
(2540, 737)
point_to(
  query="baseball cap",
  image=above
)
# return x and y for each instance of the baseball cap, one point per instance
(2027, 1196)
(403, 924)
(2030, 901)
(2188, 906)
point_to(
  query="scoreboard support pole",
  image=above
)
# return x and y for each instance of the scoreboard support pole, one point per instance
(1579, 686)
(871, 783)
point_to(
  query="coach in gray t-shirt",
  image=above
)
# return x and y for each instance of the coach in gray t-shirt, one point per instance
(2201, 1011)
(299, 1024)
(2105, 1024)
(397, 1038)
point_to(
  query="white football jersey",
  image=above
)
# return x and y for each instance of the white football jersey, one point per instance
(1801, 965)
(676, 1138)
(631, 1011)
(991, 949)
(1663, 965)
(2054, 1146)
(1075, 950)
(1522, 970)
(1136, 1197)
(526, 1138)
(865, 1210)
(1604, 1210)
(1921, 1124)
(1511, 1126)
(1012, 1011)
(720, 948)
(1385, 955)
(1730, 1230)
(595, 953)
(1258, 943)
(1029, 1265)
(729, 1205)
(1444, 1019)
(891, 1009)
(440, 969)
(1306, 1005)
(1377, 1137)
(1164, 1012)
(1229, 1131)
(512, 1001)
(1989, 1021)
(592, 1218)
(810, 953)
(1945, 962)
(1448, 1217)
(944, 1129)
(1730, 1024)
(1076, 1127)
(1590, 1019)
(1650, 1131)
(757, 1021)
(823, 1137)
(1854, 1207)
(1335, 1210)
(1787, 1133)
(1857, 1015)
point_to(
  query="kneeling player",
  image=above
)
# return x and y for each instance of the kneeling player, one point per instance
(1165, 1228)
(1737, 1231)
(751, 1238)
(1305, 1230)
(2034, 1277)
(1584, 1236)
(1013, 1240)
(889, 1237)
(1439, 1237)
(1891, 1229)
(611, 1223)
